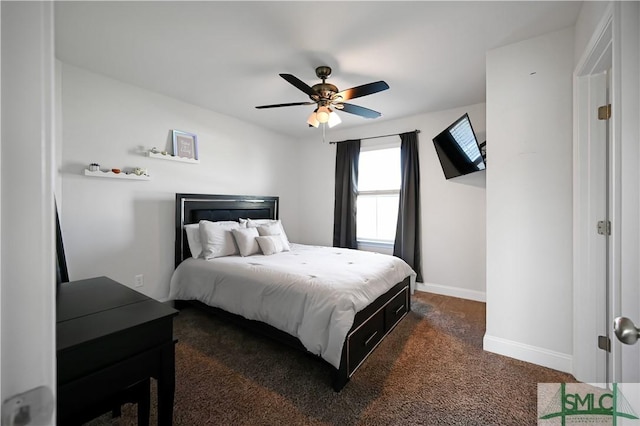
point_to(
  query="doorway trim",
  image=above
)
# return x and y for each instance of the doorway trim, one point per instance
(589, 362)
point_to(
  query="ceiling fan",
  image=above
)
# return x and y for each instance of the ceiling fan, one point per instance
(326, 96)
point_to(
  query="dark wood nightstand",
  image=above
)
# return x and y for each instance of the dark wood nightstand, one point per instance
(110, 341)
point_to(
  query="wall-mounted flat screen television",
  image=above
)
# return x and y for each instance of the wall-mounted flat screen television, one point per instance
(458, 149)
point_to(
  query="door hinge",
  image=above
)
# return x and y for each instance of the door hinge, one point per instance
(604, 112)
(604, 343)
(604, 227)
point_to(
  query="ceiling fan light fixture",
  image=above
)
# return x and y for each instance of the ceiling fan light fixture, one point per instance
(322, 115)
(334, 119)
(312, 120)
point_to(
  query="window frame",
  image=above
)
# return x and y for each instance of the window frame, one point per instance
(378, 145)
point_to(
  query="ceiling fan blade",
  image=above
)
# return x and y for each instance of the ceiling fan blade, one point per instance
(285, 105)
(361, 111)
(365, 89)
(298, 83)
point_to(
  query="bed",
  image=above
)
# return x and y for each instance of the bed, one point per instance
(337, 304)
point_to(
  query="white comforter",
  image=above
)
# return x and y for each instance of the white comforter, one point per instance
(310, 292)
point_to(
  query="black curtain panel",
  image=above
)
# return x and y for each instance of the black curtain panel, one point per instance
(344, 213)
(408, 233)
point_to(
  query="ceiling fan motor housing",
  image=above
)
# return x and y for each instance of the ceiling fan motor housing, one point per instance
(323, 91)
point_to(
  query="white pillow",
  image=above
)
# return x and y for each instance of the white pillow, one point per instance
(275, 229)
(246, 240)
(217, 239)
(253, 223)
(193, 239)
(227, 222)
(269, 223)
(271, 244)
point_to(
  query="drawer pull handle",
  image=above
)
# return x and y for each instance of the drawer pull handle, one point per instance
(399, 309)
(366, 342)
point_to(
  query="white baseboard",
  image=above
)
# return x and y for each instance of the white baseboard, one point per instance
(445, 290)
(533, 354)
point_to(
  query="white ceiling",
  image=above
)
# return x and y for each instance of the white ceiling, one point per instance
(226, 56)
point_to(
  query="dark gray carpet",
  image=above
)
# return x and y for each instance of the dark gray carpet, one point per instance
(431, 370)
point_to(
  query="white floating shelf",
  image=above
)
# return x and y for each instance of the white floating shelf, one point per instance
(111, 175)
(172, 158)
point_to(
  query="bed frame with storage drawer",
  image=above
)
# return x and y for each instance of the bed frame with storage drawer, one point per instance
(370, 325)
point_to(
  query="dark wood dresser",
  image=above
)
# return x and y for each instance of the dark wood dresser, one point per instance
(110, 341)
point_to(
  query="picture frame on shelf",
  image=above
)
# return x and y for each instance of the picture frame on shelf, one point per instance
(185, 144)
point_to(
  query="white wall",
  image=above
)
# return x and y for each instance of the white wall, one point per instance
(122, 228)
(27, 262)
(453, 211)
(529, 200)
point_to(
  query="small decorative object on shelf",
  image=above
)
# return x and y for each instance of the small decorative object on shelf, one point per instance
(165, 156)
(154, 150)
(116, 171)
(94, 167)
(119, 175)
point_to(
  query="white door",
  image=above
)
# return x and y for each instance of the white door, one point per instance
(625, 120)
(592, 213)
(616, 44)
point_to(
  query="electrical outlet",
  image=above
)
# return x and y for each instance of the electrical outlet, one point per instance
(139, 280)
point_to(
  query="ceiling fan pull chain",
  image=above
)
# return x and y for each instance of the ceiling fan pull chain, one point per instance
(324, 126)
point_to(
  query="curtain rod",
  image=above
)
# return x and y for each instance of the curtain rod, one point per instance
(381, 136)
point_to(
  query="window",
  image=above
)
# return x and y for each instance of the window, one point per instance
(378, 195)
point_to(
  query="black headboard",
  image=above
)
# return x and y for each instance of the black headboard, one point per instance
(192, 208)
